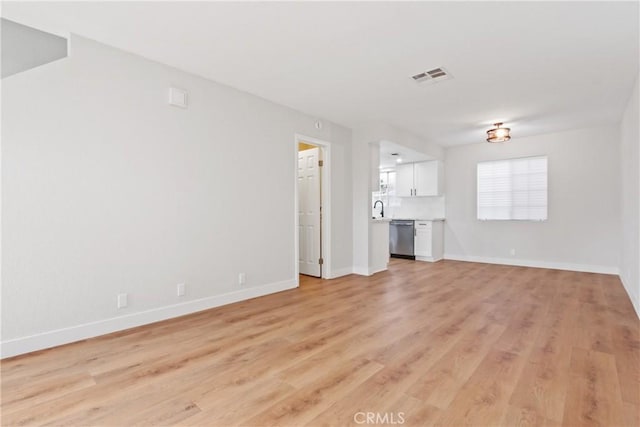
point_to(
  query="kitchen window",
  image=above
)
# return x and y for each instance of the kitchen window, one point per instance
(513, 189)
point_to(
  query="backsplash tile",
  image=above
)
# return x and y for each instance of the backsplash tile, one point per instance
(409, 207)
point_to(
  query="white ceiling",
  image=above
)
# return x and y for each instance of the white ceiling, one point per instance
(539, 67)
(389, 161)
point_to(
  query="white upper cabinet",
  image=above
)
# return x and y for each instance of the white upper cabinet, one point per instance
(419, 179)
(428, 178)
(404, 180)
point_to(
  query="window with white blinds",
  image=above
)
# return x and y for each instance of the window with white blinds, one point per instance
(514, 189)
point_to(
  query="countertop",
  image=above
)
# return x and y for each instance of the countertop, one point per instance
(380, 220)
(420, 219)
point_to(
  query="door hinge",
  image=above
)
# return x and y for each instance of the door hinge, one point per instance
(321, 261)
(321, 163)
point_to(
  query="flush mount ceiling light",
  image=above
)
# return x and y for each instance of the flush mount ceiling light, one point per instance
(397, 156)
(498, 134)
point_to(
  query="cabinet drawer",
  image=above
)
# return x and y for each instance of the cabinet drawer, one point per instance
(424, 225)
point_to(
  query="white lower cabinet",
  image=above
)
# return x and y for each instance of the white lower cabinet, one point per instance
(429, 240)
(423, 238)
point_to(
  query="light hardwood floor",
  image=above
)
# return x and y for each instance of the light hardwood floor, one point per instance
(450, 343)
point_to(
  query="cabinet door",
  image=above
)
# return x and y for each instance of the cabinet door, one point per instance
(423, 241)
(426, 178)
(404, 180)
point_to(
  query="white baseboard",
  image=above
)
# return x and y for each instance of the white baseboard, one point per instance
(373, 271)
(341, 272)
(635, 299)
(362, 271)
(428, 258)
(17, 346)
(367, 271)
(586, 268)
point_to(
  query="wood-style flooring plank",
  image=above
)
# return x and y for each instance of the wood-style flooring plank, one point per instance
(318, 394)
(484, 399)
(543, 383)
(593, 397)
(631, 414)
(516, 416)
(446, 343)
(444, 379)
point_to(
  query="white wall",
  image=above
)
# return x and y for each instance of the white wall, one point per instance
(583, 227)
(630, 198)
(107, 189)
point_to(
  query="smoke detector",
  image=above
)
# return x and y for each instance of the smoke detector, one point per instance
(433, 76)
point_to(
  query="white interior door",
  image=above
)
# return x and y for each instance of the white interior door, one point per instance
(309, 211)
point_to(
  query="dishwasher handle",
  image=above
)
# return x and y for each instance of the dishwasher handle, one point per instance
(400, 223)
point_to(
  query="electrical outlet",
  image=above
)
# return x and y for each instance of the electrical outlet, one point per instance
(512, 252)
(122, 300)
(180, 290)
(242, 278)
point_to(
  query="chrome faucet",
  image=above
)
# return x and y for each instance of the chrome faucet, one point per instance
(382, 209)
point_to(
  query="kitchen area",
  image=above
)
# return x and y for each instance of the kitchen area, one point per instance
(409, 197)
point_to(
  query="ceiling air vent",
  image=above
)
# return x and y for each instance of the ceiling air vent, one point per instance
(435, 75)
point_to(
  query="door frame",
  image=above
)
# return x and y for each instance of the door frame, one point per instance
(325, 200)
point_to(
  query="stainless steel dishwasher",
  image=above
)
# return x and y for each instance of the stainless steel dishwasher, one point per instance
(401, 238)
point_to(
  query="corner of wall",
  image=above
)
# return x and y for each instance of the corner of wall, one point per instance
(629, 136)
(633, 296)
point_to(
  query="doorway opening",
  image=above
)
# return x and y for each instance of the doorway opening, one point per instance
(312, 208)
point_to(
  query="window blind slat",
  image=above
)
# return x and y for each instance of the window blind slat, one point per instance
(513, 189)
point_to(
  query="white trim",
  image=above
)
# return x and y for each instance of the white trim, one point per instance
(367, 271)
(373, 271)
(428, 259)
(325, 146)
(586, 268)
(58, 337)
(339, 272)
(362, 271)
(635, 299)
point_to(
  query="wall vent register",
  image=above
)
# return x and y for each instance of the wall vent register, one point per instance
(437, 74)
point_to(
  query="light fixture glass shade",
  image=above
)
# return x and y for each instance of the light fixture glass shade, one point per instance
(498, 134)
